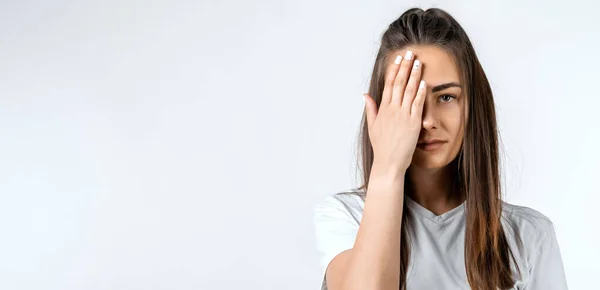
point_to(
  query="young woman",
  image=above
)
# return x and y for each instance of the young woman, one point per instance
(429, 214)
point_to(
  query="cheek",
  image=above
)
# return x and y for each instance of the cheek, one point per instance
(458, 127)
(458, 139)
(454, 121)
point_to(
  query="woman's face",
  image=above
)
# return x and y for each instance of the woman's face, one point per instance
(443, 109)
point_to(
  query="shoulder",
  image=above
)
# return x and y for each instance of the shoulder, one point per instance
(336, 219)
(348, 204)
(533, 239)
(527, 228)
(526, 218)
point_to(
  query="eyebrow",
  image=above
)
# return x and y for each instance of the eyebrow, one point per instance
(445, 86)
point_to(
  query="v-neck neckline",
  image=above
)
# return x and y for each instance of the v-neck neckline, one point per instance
(424, 212)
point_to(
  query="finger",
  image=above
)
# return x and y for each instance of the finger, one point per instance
(390, 77)
(412, 86)
(401, 79)
(370, 110)
(417, 105)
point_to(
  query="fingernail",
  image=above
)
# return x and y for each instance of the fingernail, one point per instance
(409, 55)
(416, 64)
(422, 84)
(398, 59)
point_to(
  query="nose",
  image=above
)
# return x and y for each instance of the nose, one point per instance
(429, 121)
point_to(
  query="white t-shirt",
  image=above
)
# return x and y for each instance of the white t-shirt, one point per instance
(437, 243)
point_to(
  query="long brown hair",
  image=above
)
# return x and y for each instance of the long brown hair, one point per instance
(476, 166)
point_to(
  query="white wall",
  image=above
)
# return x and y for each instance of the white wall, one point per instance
(183, 144)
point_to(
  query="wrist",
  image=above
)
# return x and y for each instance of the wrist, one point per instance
(389, 174)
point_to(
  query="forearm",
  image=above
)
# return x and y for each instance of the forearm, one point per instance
(375, 261)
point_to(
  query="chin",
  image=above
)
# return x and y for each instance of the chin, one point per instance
(426, 161)
(429, 166)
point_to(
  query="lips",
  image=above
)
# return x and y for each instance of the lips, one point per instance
(432, 141)
(430, 144)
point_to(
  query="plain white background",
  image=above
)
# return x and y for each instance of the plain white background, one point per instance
(184, 144)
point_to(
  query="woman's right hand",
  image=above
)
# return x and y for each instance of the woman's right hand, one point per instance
(394, 128)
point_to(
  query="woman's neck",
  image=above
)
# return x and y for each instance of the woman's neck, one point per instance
(434, 188)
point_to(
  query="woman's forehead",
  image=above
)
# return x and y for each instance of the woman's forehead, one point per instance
(438, 65)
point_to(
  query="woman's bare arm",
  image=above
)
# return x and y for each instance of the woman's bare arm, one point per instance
(394, 127)
(374, 261)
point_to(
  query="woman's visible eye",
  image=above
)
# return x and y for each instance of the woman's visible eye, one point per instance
(447, 98)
